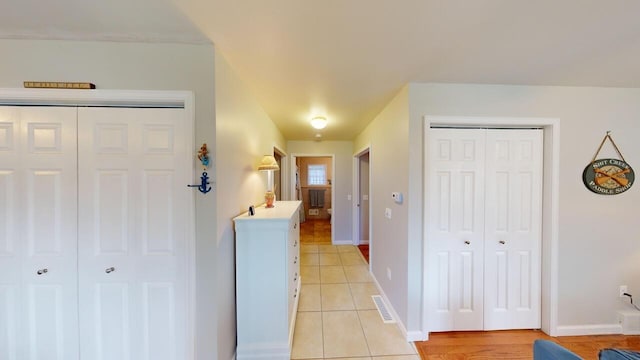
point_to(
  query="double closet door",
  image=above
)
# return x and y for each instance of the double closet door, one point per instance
(92, 233)
(483, 221)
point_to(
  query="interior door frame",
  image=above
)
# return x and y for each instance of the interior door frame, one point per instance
(284, 170)
(356, 196)
(294, 157)
(133, 98)
(550, 208)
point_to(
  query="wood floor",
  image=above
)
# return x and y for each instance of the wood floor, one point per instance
(315, 232)
(513, 344)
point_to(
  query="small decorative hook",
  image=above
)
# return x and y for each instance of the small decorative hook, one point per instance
(202, 187)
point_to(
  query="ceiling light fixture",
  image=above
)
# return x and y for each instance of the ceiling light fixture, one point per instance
(319, 122)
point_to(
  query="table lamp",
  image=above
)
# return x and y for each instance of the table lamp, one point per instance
(269, 164)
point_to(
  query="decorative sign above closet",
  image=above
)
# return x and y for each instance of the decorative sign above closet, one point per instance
(608, 176)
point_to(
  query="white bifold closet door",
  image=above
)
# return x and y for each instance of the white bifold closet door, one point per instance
(132, 234)
(38, 234)
(483, 229)
(93, 233)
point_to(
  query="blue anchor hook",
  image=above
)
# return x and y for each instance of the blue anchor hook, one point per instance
(203, 188)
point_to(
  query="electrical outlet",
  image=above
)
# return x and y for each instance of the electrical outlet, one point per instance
(388, 273)
(623, 289)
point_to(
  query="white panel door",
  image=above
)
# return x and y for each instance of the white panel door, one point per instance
(455, 229)
(513, 217)
(484, 191)
(132, 235)
(38, 233)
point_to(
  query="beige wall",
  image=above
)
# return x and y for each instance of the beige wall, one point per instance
(596, 252)
(388, 136)
(138, 66)
(244, 133)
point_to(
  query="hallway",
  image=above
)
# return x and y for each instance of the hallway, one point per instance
(336, 317)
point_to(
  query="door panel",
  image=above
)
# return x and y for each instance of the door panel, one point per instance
(38, 217)
(513, 229)
(7, 213)
(46, 320)
(134, 177)
(111, 321)
(8, 322)
(455, 229)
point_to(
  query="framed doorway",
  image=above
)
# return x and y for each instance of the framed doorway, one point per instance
(551, 185)
(362, 199)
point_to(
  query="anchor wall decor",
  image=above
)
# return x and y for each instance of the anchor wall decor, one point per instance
(203, 156)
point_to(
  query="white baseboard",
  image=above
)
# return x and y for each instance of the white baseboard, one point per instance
(342, 242)
(597, 329)
(416, 336)
(411, 336)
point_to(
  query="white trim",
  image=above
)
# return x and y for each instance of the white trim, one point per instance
(581, 330)
(342, 242)
(355, 212)
(550, 217)
(127, 98)
(132, 98)
(284, 186)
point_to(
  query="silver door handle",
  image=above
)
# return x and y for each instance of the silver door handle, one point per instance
(502, 242)
(110, 270)
(42, 271)
(467, 242)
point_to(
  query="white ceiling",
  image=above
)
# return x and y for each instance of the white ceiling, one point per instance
(346, 59)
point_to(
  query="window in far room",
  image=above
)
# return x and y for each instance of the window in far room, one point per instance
(317, 175)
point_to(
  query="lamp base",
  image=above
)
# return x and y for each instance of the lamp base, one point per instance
(269, 199)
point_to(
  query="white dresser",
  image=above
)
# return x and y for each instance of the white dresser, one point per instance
(267, 280)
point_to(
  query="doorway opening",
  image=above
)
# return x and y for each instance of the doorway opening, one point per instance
(314, 187)
(278, 177)
(362, 213)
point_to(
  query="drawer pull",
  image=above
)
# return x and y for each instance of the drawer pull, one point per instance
(42, 271)
(110, 270)
(295, 226)
(295, 261)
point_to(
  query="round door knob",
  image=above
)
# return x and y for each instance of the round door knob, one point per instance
(467, 242)
(42, 271)
(110, 270)
(502, 242)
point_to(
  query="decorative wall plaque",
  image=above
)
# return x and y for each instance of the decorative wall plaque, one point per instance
(608, 176)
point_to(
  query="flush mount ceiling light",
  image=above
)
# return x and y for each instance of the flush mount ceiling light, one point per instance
(319, 122)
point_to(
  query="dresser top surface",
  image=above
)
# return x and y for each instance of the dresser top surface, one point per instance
(281, 210)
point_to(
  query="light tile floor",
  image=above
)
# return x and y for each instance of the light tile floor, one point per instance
(337, 318)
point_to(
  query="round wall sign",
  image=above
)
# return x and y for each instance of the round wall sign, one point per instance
(608, 176)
